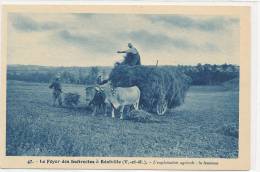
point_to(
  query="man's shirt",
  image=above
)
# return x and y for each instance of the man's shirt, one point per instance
(56, 86)
(132, 50)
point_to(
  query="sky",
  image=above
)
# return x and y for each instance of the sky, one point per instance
(83, 39)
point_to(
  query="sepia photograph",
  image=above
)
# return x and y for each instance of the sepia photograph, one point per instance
(105, 84)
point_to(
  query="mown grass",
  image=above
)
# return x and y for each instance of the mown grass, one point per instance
(205, 126)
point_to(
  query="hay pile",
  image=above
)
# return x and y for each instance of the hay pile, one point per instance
(140, 116)
(155, 83)
(71, 99)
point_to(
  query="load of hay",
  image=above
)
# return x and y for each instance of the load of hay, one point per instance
(165, 83)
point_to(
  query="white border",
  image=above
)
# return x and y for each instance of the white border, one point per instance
(255, 63)
(256, 97)
(136, 2)
(255, 71)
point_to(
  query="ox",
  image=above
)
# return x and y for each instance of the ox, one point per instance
(95, 99)
(119, 97)
(98, 102)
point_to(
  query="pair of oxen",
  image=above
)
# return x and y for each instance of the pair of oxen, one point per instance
(106, 95)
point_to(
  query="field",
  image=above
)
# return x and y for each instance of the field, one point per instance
(205, 126)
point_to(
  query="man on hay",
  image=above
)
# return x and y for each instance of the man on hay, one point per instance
(132, 56)
(56, 94)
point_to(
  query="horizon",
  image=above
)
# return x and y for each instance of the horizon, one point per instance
(113, 66)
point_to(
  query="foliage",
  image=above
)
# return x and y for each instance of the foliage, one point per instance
(210, 74)
(70, 75)
(155, 83)
(92, 76)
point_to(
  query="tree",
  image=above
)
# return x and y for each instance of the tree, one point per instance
(92, 76)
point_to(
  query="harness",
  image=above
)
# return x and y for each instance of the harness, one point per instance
(113, 90)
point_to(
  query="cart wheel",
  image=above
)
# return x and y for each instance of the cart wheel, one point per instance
(161, 107)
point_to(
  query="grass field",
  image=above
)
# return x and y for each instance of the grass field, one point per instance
(205, 126)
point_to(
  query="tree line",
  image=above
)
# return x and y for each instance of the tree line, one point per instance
(201, 74)
(208, 74)
(76, 76)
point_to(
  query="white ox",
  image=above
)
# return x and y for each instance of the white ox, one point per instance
(118, 97)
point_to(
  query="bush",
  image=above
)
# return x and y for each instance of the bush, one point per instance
(232, 84)
(71, 99)
(208, 74)
(155, 84)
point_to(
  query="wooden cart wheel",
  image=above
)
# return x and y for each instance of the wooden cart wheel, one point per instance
(161, 107)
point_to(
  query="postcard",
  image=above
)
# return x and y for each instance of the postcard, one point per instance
(125, 87)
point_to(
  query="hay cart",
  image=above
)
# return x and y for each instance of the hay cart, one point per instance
(161, 87)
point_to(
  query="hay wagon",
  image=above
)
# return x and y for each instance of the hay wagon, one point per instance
(161, 87)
